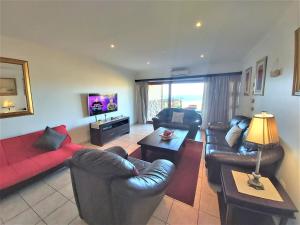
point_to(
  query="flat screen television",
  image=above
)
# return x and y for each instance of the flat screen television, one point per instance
(99, 104)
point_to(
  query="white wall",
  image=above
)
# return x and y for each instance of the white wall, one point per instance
(59, 82)
(278, 99)
(199, 69)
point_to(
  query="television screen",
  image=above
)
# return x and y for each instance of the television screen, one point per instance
(99, 104)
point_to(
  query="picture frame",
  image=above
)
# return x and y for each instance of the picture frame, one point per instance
(260, 76)
(296, 80)
(248, 79)
(20, 104)
(8, 87)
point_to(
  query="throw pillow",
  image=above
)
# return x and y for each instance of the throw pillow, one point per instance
(177, 117)
(50, 140)
(233, 135)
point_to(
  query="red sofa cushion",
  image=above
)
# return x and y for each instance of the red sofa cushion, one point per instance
(3, 161)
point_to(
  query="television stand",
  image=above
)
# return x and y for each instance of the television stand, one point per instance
(102, 133)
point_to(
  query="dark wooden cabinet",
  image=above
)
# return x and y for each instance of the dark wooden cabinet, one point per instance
(102, 133)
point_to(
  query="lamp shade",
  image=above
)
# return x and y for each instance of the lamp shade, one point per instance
(263, 129)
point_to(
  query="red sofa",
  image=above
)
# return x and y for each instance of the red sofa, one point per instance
(20, 161)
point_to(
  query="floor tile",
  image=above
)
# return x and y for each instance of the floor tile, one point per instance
(41, 223)
(78, 221)
(67, 191)
(163, 209)
(59, 179)
(73, 200)
(206, 219)
(49, 204)
(63, 215)
(12, 206)
(28, 217)
(182, 214)
(155, 221)
(209, 204)
(36, 192)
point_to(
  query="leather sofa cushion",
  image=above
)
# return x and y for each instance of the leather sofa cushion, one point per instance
(217, 139)
(236, 119)
(215, 148)
(213, 132)
(175, 125)
(244, 124)
(103, 164)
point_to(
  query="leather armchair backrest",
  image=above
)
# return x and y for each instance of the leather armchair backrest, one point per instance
(103, 164)
(189, 114)
(244, 124)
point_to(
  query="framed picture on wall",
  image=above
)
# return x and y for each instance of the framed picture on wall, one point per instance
(296, 83)
(8, 86)
(247, 87)
(260, 76)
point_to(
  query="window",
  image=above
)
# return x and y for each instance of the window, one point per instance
(187, 95)
(175, 95)
(158, 99)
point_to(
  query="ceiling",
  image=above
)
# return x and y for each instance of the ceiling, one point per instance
(162, 33)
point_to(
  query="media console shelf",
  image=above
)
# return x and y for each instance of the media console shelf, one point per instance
(106, 131)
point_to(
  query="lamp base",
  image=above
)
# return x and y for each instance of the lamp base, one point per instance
(255, 183)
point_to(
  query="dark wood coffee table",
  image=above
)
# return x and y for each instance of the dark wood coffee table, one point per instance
(171, 148)
(233, 199)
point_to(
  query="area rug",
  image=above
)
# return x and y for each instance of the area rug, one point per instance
(184, 182)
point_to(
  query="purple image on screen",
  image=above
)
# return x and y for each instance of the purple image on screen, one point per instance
(98, 104)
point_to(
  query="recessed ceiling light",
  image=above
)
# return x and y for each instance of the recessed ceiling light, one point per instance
(202, 56)
(112, 46)
(198, 24)
(148, 63)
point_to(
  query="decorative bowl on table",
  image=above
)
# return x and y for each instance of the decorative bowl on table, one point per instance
(167, 135)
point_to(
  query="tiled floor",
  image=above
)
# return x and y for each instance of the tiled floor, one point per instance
(51, 201)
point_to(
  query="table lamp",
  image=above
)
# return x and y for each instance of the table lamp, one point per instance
(8, 105)
(263, 132)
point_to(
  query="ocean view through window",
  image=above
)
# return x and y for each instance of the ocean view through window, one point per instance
(175, 95)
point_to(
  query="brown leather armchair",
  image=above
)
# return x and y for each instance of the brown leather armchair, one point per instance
(243, 154)
(111, 188)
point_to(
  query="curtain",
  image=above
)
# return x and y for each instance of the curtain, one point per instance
(141, 102)
(220, 98)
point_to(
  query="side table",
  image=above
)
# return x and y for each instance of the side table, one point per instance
(233, 198)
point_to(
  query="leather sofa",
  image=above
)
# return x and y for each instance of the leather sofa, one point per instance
(191, 120)
(112, 188)
(20, 161)
(243, 154)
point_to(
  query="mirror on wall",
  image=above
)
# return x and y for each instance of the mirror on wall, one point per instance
(296, 84)
(15, 94)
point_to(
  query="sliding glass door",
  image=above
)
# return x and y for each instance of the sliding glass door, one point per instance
(158, 99)
(176, 95)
